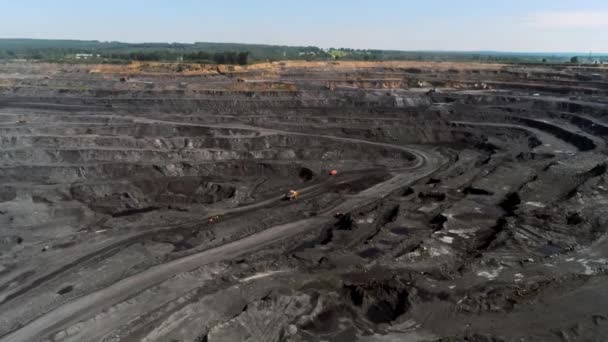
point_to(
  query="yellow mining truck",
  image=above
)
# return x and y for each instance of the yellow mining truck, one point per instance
(292, 195)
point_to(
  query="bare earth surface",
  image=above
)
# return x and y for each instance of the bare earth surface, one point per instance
(138, 203)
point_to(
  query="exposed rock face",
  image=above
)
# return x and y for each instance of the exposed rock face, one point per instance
(264, 320)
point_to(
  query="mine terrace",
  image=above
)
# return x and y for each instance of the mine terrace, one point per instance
(303, 201)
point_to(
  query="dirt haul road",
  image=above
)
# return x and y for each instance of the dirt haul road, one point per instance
(85, 306)
(427, 162)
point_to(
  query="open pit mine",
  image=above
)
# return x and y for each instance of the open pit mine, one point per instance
(303, 201)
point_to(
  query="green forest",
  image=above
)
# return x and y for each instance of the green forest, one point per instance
(234, 53)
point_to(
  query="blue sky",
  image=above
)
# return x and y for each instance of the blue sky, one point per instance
(507, 25)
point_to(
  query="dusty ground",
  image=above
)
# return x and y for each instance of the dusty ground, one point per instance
(473, 202)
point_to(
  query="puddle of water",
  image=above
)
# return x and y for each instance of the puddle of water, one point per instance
(65, 290)
(400, 231)
(549, 250)
(369, 253)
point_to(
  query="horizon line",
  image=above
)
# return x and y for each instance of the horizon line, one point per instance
(579, 53)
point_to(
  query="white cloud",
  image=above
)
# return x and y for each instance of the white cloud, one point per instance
(570, 19)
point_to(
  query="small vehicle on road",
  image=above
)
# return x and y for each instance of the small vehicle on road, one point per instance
(292, 195)
(214, 219)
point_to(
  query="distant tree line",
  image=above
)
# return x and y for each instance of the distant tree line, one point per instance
(226, 57)
(224, 53)
(241, 54)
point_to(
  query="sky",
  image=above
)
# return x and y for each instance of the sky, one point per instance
(455, 25)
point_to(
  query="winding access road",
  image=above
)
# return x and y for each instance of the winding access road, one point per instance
(426, 161)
